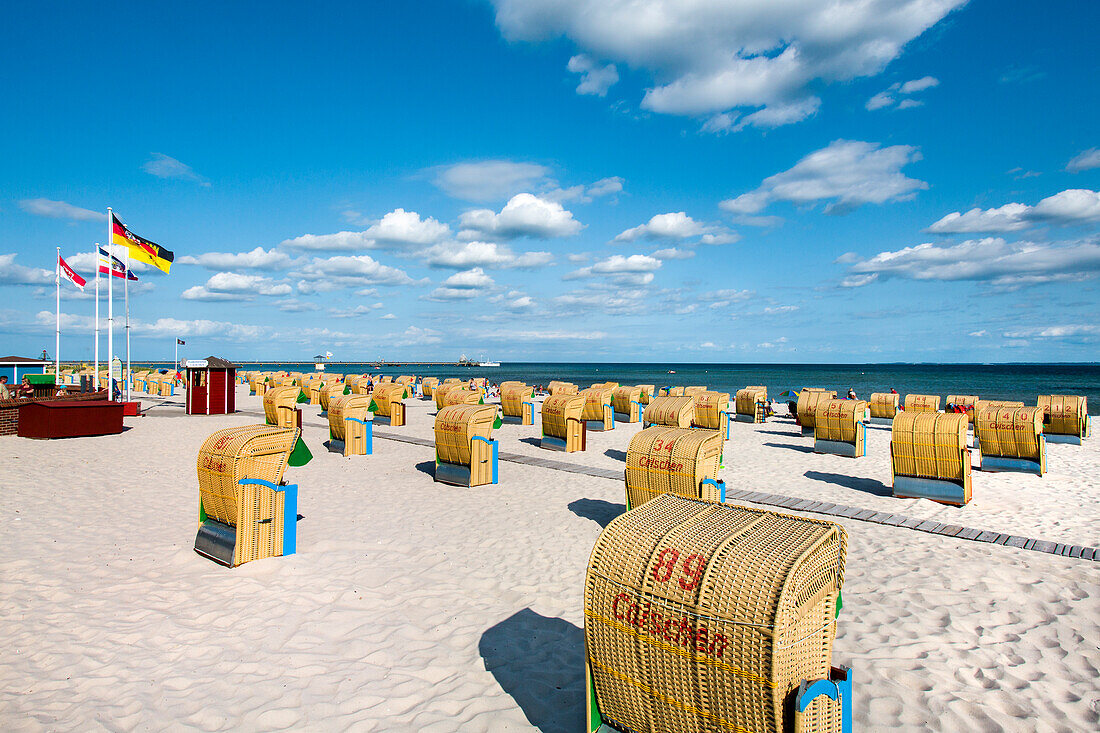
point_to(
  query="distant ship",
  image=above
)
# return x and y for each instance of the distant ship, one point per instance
(489, 363)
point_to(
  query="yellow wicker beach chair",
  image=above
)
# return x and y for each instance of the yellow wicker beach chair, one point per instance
(1065, 418)
(517, 403)
(922, 403)
(460, 395)
(388, 403)
(427, 387)
(649, 391)
(351, 424)
(562, 426)
(929, 457)
(839, 428)
(750, 404)
(598, 413)
(966, 402)
(329, 391)
(562, 388)
(702, 617)
(627, 403)
(245, 511)
(807, 406)
(676, 412)
(883, 406)
(281, 406)
(1011, 439)
(465, 453)
(712, 412)
(682, 461)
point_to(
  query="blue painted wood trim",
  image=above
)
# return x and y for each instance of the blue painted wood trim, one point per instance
(290, 511)
(914, 487)
(368, 440)
(1017, 465)
(495, 447)
(718, 484)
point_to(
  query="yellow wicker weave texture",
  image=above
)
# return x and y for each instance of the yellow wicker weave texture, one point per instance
(694, 390)
(513, 396)
(452, 380)
(663, 459)
(605, 385)
(807, 404)
(386, 396)
(885, 404)
(562, 388)
(649, 391)
(710, 410)
(677, 412)
(405, 379)
(621, 397)
(922, 403)
(701, 617)
(1068, 414)
(557, 411)
(428, 385)
(930, 445)
(440, 393)
(462, 396)
(252, 451)
(341, 407)
(839, 420)
(1011, 432)
(363, 385)
(279, 405)
(455, 428)
(328, 392)
(751, 401)
(596, 399)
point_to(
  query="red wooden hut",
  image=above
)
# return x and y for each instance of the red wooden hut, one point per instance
(210, 386)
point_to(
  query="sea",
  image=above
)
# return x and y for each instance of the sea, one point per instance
(1022, 382)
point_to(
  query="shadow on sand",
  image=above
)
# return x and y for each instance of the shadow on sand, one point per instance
(866, 485)
(618, 455)
(799, 448)
(427, 467)
(599, 511)
(537, 442)
(539, 661)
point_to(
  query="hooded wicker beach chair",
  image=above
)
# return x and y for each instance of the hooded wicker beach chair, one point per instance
(883, 407)
(929, 457)
(598, 413)
(1011, 439)
(682, 461)
(281, 406)
(1065, 418)
(627, 403)
(676, 412)
(562, 426)
(649, 391)
(560, 388)
(806, 410)
(517, 403)
(388, 403)
(427, 387)
(351, 424)
(712, 412)
(245, 511)
(750, 404)
(839, 428)
(965, 402)
(463, 396)
(329, 391)
(922, 403)
(465, 452)
(702, 617)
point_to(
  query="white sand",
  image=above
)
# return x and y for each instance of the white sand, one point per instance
(418, 606)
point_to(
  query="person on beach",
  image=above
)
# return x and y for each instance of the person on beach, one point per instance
(26, 391)
(5, 394)
(852, 394)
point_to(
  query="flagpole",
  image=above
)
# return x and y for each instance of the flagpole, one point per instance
(95, 379)
(110, 312)
(57, 340)
(126, 289)
(176, 358)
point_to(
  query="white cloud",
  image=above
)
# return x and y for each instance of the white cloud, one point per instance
(605, 187)
(1066, 208)
(846, 173)
(910, 103)
(334, 273)
(356, 312)
(889, 97)
(60, 210)
(235, 286)
(330, 242)
(880, 100)
(633, 270)
(165, 166)
(1085, 160)
(584, 194)
(678, 225)
(524, 215)
(388, 317)
(919, 85)
(978, 334)
(462, 255)
(489, 180)
(536, 336)
(257, 259)
(415, 336)
(1003, 264)
(165, 327)
(1075, 331)
(596, 78)
(474, 278)
(293, 305)
(1007, 218)
(13, 274)
(673, 253)
(858, 281)
(708, 58)
(778, 309)
(400, 228)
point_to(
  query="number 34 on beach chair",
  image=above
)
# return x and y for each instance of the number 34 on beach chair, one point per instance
(703, 617)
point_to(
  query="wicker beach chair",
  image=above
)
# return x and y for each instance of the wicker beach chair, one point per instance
(598, 413)
(561, 388)
(712, 412)
(682, 461)
(676, 412)
(465, 452)
(883, 407)
(929, 457)
(427, 387)
(839, 428)
(966, 402)
(750, 404)
(460, 395)
(1011, 439)
(807, 406)
(245, 511)
(351, 424)
(388, 403)
(703, 617)
(1065, 418)
(922, 403)
(517, 403)
(627, 403)
(281, 406)
(562, 426)
(649, 391)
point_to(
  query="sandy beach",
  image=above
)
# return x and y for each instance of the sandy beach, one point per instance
(417, 606)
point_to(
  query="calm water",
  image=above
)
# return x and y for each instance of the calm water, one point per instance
(1009, 382)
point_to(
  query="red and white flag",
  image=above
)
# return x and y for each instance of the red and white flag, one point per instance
(70, 273)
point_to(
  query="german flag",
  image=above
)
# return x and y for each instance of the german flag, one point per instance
(141, 249)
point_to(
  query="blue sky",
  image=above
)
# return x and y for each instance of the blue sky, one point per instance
(899, 180)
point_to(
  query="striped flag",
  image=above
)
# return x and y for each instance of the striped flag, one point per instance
(108, 263)
(141, 249)
(70, 273)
